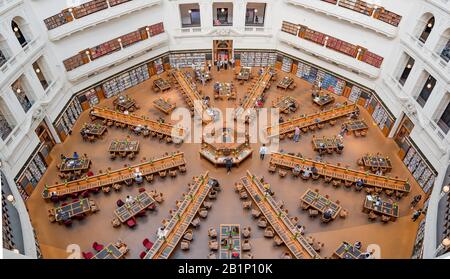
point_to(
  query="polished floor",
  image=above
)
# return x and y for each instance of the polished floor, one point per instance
(395, 239)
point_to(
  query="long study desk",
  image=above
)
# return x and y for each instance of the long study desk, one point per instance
(192, 95)
(117, 176)
(255, 91)
(341, 173)
(280, 222)
(133, 120)
(163, 247)
(312, 119)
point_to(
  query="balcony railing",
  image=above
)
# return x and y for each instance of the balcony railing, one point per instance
(6, 5)
(13, 65)
(329, 55)
(344, 14)
(118, 57)
(435, 132)
(102, 16)
(35, 113)
(193, 32)
(428, 56)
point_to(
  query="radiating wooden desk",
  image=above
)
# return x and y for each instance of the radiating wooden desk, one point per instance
(320, 203)
(66, 212)
(141, 202)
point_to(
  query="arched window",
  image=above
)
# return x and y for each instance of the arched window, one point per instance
(23, 93)
(443, 46)
(21, 31)
(426, 29)
(4, 51)
(6, 121)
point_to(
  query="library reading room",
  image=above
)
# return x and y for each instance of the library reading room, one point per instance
(237, 129)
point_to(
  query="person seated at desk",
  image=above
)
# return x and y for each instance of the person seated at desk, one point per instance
(138, 175)
(296, 170)
(340, 146)
(129, 199)
(162, 232)
(280, 120)
(359, 182)
(358, 245)
(161, 120)
(206, 100)
(126, 112)
(328, 214)
(314, 94)
(307, 173)
(75, 155)
(321, 147)
(314, 170)
(260, 71)
(379, 172)
(138, 129)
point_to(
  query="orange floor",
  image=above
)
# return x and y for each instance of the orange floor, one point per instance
(395, 238)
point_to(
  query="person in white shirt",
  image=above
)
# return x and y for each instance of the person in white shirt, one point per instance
(138, 175)
(129, 199)
(262, 151)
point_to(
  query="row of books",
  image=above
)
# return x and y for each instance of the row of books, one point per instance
(336, 44)
(69, 116)
(5, 126)
(369, 9)
(419, 168)
(185, 60)
(126, 80)
(258, 59)
(88, 8)
(111, 46)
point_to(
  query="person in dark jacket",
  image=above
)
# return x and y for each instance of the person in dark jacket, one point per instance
(228, 164)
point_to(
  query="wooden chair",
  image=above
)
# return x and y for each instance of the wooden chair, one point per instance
(116, 223)
(247, 204)
(246, 246)
(372, 216)
(207, 204)
(255, 213)
(385, 218)
(185, 245)
(313, 213)
(272, 168)
(203, 213)
(116, 187)
(363, 133)
(149, 178)
(163, 173)
(213, 245)
(269, 232)
(343, 213)
(282, 173)
(246, 231)
(212, 233)
(131, 156)
(278, 240)
(262, 222)
(243, 195)
(188, 235)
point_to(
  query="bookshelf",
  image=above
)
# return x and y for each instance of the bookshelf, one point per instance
(185, 60)
(372, 59)
(105, 48)
(342, 46)
(113, 3)
(59, 19)
(131, 38)
(357, 6)
(290, 28)
(257, 58)
(388, 16)
(368, 9)
(117, 85)
(80, 11)
(156, 29)
(314, 36)
(286, 65)
(89, 8)
(112, 46)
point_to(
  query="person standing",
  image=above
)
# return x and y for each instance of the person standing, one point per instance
(209, 66)
(225, 64)
(297, 134)
(228, 164)
(218, 65)
(415, 201)
(262, 151)
(416, 215)
(203, 79)
(232, 63)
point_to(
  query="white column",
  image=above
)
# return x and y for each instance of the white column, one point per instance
(35, 85)
(29, 241)
(437, 96)
(239, 10)
(206, 15)
(14, 106)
